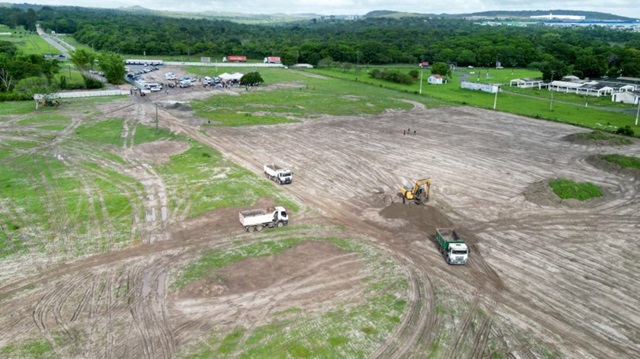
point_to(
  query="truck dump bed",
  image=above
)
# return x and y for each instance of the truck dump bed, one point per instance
(274, 167)
(253, 213)
(448, 234)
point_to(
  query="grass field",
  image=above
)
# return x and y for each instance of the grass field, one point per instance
(581, 111)
(568, 189)
(623, 161)
(309, 97)
(99, 217)
(31, 44)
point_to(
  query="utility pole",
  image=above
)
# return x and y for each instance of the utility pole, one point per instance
(638, 112)
(156, 117)
(421, 70)
(495, 99)
(551, 100)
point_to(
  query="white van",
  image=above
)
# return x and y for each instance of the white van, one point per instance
(153, 86)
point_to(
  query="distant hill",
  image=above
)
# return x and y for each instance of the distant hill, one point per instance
(589, 15)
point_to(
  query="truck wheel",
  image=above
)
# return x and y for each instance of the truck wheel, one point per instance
(252, 229)
(259, 228)
(280, 224)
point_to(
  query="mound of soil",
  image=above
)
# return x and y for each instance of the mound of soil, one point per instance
(424, 218)
(260, 273)
(179, 107)
(160, 151)
(597, 162)
(541, 194)
(612, 140)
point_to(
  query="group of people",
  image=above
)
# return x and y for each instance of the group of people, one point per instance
(408, 131)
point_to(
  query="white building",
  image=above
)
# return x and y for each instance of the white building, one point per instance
(527, 83)
(557, 17)
(626, 97)
(435, 80)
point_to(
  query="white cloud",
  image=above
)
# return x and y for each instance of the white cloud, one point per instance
(360, 7)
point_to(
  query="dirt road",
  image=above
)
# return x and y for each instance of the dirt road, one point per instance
(545, 277)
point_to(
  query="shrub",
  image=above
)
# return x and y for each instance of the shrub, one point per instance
(625, 131)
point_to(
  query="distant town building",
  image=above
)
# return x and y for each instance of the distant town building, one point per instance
(557, 17)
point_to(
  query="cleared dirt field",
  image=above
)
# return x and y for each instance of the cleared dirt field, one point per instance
(546, 277)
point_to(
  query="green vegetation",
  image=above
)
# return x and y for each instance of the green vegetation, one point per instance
(567, 189)
(31, 44)
(313, 97)
(216, 259)
(536, 107)
(36, 349)
(16, 108)
(623, 161)
(353, 332)
(604, 137)
(201, 180)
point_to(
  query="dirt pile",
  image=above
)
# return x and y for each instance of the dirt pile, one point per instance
(423, 218)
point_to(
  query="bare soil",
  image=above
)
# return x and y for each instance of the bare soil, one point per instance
(542, 274)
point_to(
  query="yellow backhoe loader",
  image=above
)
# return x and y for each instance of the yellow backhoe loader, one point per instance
(419, 193)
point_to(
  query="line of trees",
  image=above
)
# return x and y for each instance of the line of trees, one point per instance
(585, 52)
(588, 52)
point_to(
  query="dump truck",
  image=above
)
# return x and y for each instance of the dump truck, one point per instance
(233, 58)
(258, 219)
(418, 193)
(452, 247)
(272, 60)
(278, 174)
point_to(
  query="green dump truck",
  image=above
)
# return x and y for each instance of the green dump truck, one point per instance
(452, 247)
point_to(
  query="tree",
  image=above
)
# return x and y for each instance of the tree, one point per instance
(553, 70)
(113, 67)
(33, 85)
(588, 65)
(251, 79)
(442, 69)
(83, 59)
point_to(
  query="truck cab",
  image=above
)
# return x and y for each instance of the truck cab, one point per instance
(285, 177)
(457, 253)
(280, 216)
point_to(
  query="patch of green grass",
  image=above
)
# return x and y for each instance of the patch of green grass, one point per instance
(108, 132)
(623, 161)
(311, 96)
(31, 44)
(435, 350)
(149, 134)
(215, 259)
(603, 136)
(52, 127)
(567, 189)
(51, 199)
(35, 349)
(208, 181)
(45, 118)
(17, 107)
(539, 105)
(230, 342)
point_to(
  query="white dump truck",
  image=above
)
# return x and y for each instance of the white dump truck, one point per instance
(278, 174)
(258, 219)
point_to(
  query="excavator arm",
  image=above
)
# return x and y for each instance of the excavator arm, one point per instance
(419, 193)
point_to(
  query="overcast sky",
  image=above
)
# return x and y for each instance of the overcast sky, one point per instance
(628, 8)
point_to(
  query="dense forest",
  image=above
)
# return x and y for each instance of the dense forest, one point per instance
(586, 52)
(591, 52)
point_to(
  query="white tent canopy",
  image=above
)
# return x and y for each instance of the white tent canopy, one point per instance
(235, 76)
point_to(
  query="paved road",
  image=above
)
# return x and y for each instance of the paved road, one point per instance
(56, 42)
